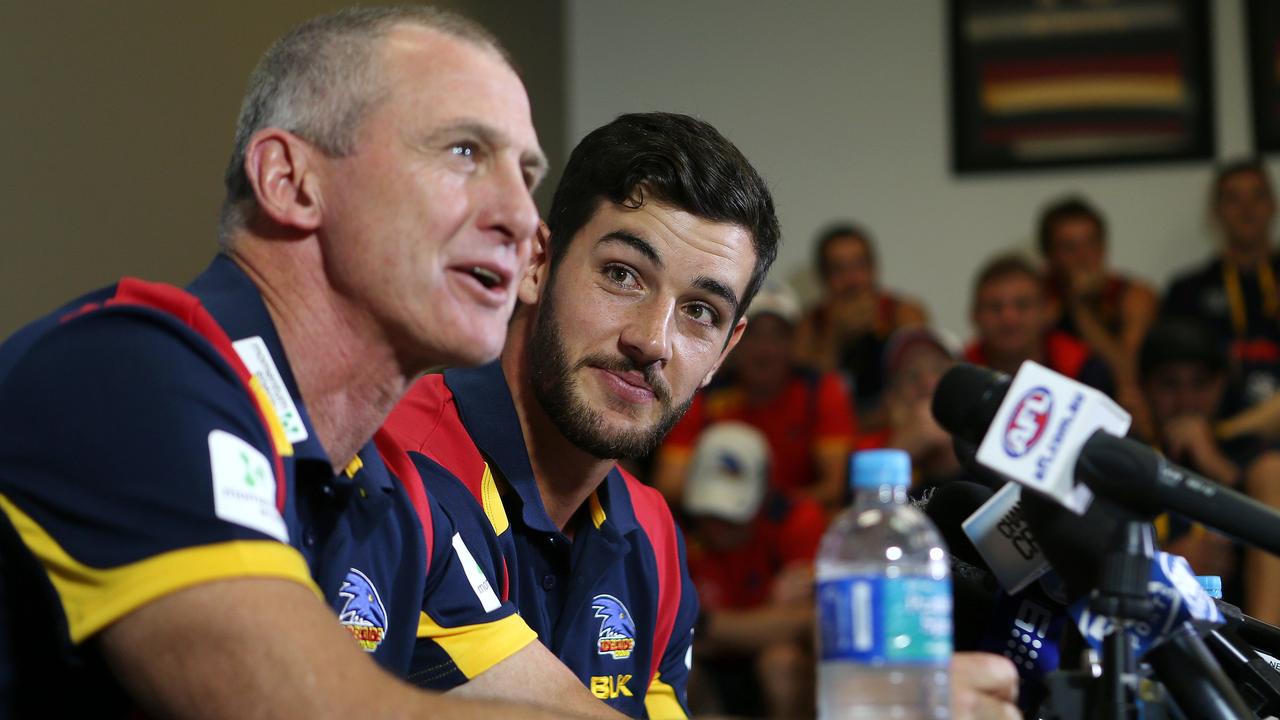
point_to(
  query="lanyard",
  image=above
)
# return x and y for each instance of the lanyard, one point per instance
(1235, 295)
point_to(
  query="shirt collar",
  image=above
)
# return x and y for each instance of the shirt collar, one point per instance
(488, 412)
(234, 301)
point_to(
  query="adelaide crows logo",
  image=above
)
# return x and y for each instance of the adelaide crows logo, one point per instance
(363, 614)
(617, 628)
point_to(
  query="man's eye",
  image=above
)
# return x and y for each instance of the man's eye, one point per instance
(703, 313)
(620, 275)
(464, 149)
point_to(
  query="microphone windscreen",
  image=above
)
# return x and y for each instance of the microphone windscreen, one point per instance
(948, 507)
(966, 400)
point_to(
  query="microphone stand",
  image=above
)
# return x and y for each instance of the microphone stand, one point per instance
(1122, 597)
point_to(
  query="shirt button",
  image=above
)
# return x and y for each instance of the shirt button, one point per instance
(548, 582)
(327, 489)
(309, 537)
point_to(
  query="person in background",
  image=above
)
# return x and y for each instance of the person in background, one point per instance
(848, 328)
(915, 358)
(1011, 317)
(1110, 312)
(1236, 292)
(751, 552)
(805, 414)
(1186, 382)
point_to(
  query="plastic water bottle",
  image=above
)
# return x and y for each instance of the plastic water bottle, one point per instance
(883, 601)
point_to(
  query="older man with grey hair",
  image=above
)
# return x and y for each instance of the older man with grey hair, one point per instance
(187, 477)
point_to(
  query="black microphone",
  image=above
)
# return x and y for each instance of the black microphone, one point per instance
(1025, 627)
(1128, 472)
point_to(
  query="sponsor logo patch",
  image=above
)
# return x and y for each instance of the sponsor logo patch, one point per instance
(480, 584)
(244, 486)
(362, 613)
(617, 636)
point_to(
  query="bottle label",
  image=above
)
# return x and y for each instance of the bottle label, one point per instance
(877, 620)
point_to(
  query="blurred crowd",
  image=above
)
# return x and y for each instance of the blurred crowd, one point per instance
(758, 465)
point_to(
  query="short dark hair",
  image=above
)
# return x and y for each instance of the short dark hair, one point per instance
(669, 158)
(1003, 266)
(836, 231)
(1236, 167)
(1180, 339)
(1071, 207)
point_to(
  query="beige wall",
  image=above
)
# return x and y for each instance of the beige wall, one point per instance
(843, 107)
(117, 122)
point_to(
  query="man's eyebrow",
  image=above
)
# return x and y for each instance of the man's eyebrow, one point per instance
(715, 287)
(633, 241)
(533, 160)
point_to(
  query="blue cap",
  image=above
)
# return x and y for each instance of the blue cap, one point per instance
(873, 468)
(1212, 584)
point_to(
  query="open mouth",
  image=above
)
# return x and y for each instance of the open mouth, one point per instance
(488, 278)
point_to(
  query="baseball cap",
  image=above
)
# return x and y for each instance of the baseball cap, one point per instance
(775, 298)
(729, 473)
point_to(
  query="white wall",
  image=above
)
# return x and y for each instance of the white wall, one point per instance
(843, 107)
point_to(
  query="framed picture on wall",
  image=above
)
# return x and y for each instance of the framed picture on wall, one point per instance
(1263, 26)
(1079, 82)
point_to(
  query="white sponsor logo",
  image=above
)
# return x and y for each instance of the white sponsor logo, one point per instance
(479, 583)
(255, 356)
(244, 487)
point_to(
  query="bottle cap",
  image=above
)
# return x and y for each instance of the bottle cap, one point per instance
(873, 468)
(1212, 584)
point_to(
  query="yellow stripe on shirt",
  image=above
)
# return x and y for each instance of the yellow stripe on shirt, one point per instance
(93, 598)
(491, 501)
(660, 701)
(476, 648)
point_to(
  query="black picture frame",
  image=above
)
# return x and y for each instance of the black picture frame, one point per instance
(1078, 83)
(1262, 26)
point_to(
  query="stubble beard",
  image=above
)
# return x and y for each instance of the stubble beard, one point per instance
(560, 395)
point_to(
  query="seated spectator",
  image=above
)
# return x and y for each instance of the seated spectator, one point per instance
(1011, 318)
(1236, 292)
(751, 553)
(1108, 311)
(848, 328)
(1185, 380)
(914, 360)
(804, 414)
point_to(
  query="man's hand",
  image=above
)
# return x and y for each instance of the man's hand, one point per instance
(1190, 441)
(983, 687)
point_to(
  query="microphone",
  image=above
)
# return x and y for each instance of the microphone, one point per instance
(1025, 626)
(1028, 438)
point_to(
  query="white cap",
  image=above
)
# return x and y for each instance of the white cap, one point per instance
(775, 298)
(729, 473)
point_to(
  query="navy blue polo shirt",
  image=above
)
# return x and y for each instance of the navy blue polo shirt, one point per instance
(137, 460)
(615, 602)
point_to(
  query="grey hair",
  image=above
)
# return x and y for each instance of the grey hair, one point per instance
(319, 81)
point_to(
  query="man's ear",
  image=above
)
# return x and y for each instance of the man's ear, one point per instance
(534, 280)
(285, 184)
(734, 336)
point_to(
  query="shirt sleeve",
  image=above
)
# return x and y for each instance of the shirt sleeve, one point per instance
(667, 695)
(133, 464)
(466, 627)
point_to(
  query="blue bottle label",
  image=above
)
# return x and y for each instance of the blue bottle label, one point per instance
(876, 620)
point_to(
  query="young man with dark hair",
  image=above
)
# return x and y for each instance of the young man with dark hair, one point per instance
(660, 234)
(1108, 311)
(1011, 317)
(1236, 292)
(848, 328)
